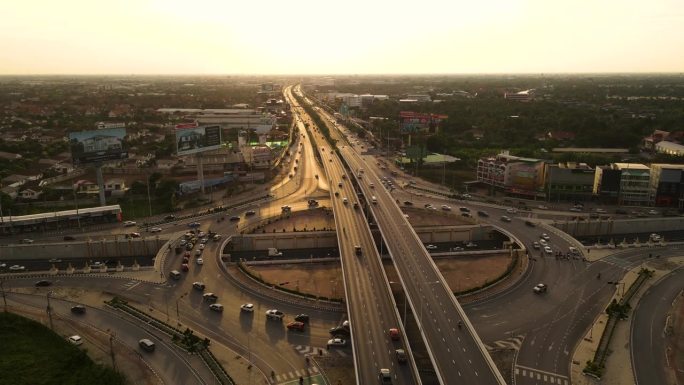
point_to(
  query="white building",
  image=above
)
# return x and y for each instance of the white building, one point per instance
(669, 148)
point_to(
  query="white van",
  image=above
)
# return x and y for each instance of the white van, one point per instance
(374, 200)
(175, 274)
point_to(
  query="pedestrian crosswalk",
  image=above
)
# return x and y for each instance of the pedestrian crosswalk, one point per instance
(508, 343)
(295, 374)
(526, 373)
(305, 349)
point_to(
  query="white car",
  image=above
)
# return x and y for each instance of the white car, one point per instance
(76, 340)
(216, 307)
(337, 342)
(201, 246)
(17, 268)
(548, 250)
(446, 208)
(155, 230)
(542, 242)
(275, 314)
(248, 307)
(545, 237)
(511, 211)
(540, 288)
(199, 261)
(536, 245)
(129, 223)
(431, 247)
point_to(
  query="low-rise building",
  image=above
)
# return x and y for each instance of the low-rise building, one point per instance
(667, 185)
(670, 148)
(513, 174)
(634, 183)
(569, 181)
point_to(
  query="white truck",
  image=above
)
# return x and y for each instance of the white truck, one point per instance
(273, 252)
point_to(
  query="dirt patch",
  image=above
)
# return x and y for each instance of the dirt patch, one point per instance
(325, 279)
(338, 370)
(309, 220)
(503, 359)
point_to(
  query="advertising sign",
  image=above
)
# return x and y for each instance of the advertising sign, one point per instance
(98, 146)
(415, 121)
(197, 139)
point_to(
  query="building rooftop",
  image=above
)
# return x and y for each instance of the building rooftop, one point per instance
(631, 166)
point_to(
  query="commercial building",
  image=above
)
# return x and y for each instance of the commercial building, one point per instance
(569, 181)
(634, 183)
(667, 185)
(669, 148)
(513, 174)
(522, 96)
(607, 184)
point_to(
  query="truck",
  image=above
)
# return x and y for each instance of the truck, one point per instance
(273, 252)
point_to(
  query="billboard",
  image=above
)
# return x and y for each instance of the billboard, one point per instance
(98, 145)
(192, 140)
(416, 121)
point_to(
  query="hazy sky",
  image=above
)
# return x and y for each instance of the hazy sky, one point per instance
(351, 36)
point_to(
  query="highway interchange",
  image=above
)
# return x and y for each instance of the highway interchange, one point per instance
(550, 325)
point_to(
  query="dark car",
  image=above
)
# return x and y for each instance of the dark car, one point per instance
(43, 282)
(296, 325)
(340, 331)
(408, 203)
(234, 218)
(69, 238)
(482, 213)
(302, 318)
(78, 309)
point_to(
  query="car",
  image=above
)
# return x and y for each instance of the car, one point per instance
(234, 218)
(146, 345)
(198, 286)
(69, 238)
(573, 250)
(512, 211)
(470, 245)
(274, 314)
(78, 309)
(576, 209)
(185, 259)
(540, 288)
(408, 203)
(189, 246)
(345, 200)
(357, 250)
(337, 193)
(428, 206)
(464, 209)
(371, 185)
(542, 207)
(26, 241)
(431, 247)
(155, 230)
(129, 223)
(216, 307)
(302, 318)
(54, 260)
(457, 248)
(247, 307)
(296, 325)
(548, 250)
(76, 340)
(134, 235)
(535, 245)
(183, 242)
(185, 267)
(43, 282)
(394, 334)
(199, 261)
(653, 212)
(250, 213)
(601, 211)
(201, 246)
(446, 208)
(482, 213)
(530, 223)
(543, 242)
(337, 342)
(194, 224)
(169, 217)
(505, 219)
(401, 356)
(385, 376)
(545, 237)
(17, 268)
(339, 331)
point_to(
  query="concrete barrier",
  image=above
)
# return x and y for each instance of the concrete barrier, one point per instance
(96, 249)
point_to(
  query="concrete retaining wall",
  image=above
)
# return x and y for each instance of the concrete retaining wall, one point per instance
(328, 239)
(620, 226)
(103, 249)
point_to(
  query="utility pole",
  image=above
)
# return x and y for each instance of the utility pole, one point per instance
(111, 349)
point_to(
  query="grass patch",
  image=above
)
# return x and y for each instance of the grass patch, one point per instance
(33, 354)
